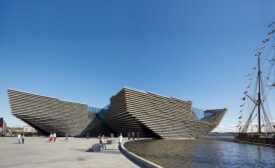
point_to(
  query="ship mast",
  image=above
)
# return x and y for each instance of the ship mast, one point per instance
(264, 117)
(259, 102)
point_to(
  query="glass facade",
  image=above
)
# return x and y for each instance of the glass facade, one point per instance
(100, 112)
(199, 113)
(208, 114)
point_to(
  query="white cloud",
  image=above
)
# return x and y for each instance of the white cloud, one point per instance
(234, 128)
(226, 128)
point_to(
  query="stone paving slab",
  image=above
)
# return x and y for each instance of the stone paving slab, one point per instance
(38, 153)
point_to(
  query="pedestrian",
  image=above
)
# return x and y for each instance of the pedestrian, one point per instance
(100, 140)
(120, 137)
(54, 136)
(88, 135)
(66, 136)
(129, 135)
(23, 138)
(103, 143)
(51, 137)
(19, 137)
(133, 135)
(138, 135)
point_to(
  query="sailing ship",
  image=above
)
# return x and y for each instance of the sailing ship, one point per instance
(256, 124)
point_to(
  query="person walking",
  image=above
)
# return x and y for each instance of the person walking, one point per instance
(129, 135)
(133, 135)
(138, 135)
(88, 135)
(54, 136)
(66, 136)
(51, 137)
(120, 137)
(103, 143)
(100, 140)
(23, 138)
(19, 138)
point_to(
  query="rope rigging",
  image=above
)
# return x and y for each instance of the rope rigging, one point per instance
(262, 82)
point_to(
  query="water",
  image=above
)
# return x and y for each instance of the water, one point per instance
(222, 137)
(203, 153)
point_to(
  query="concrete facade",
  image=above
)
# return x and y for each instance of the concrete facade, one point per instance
(48, 114)
(144, 113)
(153, 115)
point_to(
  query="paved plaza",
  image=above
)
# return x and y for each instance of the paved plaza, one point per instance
(37, 152)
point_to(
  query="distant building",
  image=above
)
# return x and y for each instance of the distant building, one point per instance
(3, 125)
(130, 111)
(29, 129)
(15, 130)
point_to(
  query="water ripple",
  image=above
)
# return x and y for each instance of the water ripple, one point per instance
(203, 153)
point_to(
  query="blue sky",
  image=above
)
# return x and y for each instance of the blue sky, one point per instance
(86, 51)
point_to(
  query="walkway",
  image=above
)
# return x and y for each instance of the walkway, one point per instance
(37, 152)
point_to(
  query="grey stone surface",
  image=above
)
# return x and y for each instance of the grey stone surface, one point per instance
(38, 152)
(131, 112)
(49, 114)
(153, 115)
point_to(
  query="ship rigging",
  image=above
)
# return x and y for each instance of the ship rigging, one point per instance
(255, 117)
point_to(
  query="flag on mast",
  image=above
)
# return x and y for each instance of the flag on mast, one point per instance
(271, 24)
(271, 32)
(265, 40)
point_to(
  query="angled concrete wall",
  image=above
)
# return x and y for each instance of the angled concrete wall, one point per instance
(49, 114)
(130, 110)
(166, 117)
